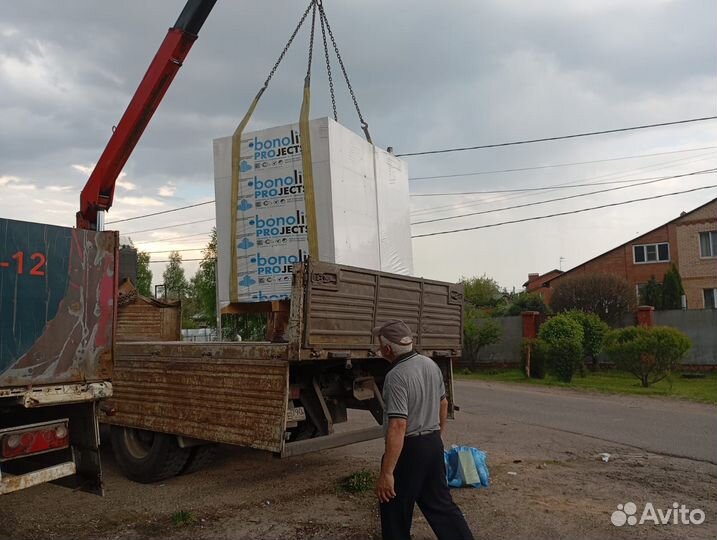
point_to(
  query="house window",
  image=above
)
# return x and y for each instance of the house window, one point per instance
(651, 253)
(708, 244)
(710, 298)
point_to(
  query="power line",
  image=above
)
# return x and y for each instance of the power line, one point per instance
(183, 260)
(555, 187)
(521, 190)
(558, 138)
(172, 238)
(168, 226)
(649, 181)
(563, 213)
(535, 203)
(476, 173)
(178, 250)
(557, 165)
(160, 213)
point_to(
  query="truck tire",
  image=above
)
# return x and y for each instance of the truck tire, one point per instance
(200, 457)
(146, 456)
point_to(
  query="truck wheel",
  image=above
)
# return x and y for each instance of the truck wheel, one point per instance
(147, 456)
(200, 457)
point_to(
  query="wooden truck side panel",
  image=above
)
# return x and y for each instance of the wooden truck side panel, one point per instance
(234, 393)
(343, 304)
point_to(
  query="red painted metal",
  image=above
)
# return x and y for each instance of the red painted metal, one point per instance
(98, 193)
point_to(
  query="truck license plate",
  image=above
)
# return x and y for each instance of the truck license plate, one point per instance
(295, 414)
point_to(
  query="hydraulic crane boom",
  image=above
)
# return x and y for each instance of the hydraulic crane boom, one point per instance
(99, 190)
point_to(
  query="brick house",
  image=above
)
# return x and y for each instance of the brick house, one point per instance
(688, 241)
(536, 284)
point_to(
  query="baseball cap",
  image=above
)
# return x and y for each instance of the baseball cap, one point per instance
(394, 330)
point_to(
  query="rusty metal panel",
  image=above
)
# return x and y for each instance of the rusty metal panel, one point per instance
(342, 304)
(147, 319)
(57, 303)
(10, 483)
(234, 393)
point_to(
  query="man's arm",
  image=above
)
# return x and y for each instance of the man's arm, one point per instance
(443, 415)
(394, 444)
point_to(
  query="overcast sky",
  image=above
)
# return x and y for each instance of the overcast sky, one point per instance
(428, 75)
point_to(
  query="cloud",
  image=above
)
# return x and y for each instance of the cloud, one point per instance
(7, 180)
(15, 183)
(139, 201)
(492, 71)
(125, 184)
(167, 190)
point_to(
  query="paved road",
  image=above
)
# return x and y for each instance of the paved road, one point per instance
(663, 426)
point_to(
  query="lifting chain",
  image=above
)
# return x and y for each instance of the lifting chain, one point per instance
(325, 20)
(312, 4)
(311, 42)
(328, 67)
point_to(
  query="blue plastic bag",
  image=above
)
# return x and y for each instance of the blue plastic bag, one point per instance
(466, 466)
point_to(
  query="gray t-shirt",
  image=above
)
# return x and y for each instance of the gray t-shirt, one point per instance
(413, 390)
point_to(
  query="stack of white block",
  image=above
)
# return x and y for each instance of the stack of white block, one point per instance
(362, 208)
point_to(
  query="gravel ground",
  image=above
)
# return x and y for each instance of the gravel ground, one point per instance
(560, 489)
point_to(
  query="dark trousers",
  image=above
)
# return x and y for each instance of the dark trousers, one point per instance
(420, 477)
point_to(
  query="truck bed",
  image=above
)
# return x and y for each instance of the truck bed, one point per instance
(240, 393)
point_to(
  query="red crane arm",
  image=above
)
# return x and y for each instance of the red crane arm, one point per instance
(98, 193)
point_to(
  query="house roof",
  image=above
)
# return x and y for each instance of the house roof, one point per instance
(682, 215)
(542, 276)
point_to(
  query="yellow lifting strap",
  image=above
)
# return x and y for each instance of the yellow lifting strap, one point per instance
(236, 177)
(306, 162)
(304, 135)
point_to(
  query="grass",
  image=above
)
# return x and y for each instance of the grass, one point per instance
(703, 390)
(183, 517)
(358, 482)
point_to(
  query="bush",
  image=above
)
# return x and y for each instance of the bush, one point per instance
(537, 357)
(478, 332)
(526, 301)
(594, 332)
(608, 297)
(562, 345)
(650, 354)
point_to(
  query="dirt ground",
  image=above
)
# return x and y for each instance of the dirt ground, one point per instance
(560, 489)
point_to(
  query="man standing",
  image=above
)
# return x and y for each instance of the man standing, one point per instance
(412, 469)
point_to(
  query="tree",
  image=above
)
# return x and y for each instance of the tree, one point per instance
(561, 340)
(594, 332)
(526, 301)
(609, 297)
(672, 289)
(205, 283)
(478, 332)
(653, 294)
(144, 274)
(650, 354)
(174, 279)
(481, 291)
